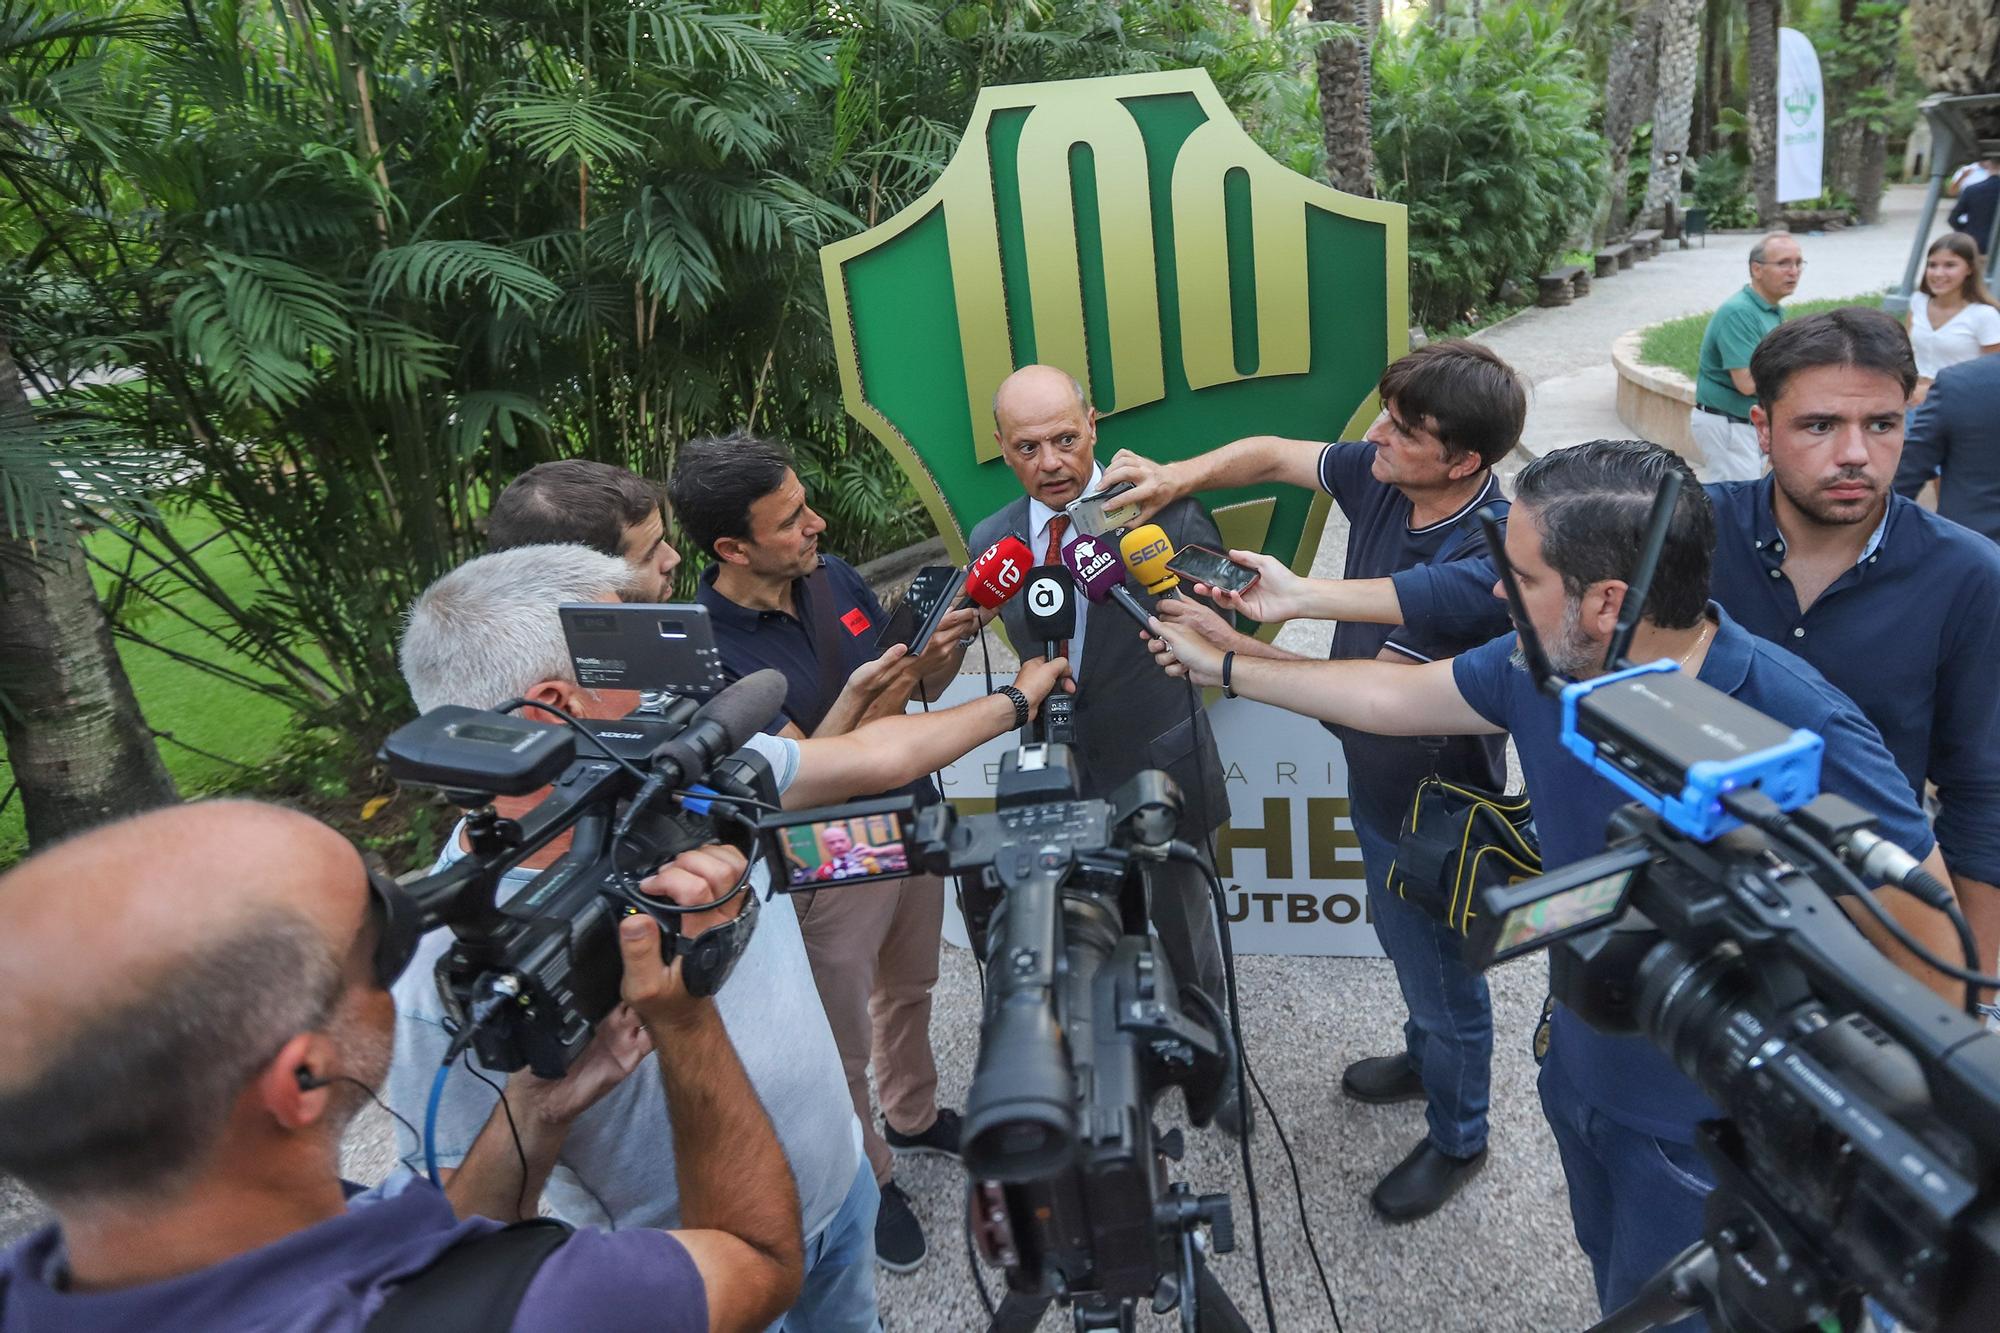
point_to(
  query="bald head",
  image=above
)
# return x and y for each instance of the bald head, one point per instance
(1047, 432)
(152, 967)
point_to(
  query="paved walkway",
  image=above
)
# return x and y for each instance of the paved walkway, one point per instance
(1565, 353)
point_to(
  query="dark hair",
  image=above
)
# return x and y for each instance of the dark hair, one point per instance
(570, 502)
(1592, 501)
(716, 480)
(1850, 336)
(136, 1098)
(1473, 398)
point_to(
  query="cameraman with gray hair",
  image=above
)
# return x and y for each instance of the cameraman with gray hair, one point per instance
(593, 1140)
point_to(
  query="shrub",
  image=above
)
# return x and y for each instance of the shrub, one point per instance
(1486, 133)
(1722, 186)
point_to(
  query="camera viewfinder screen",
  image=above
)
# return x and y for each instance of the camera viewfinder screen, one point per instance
(845, 851)
(1533, 923)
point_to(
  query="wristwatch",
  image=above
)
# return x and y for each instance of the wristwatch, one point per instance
(1020, 702)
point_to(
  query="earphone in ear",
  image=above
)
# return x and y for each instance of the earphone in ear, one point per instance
(306, 1080)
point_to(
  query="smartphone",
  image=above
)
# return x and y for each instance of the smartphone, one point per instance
(928, 599)
(834, 846)
(1198, 564)
(659, 646)
(1097, 514)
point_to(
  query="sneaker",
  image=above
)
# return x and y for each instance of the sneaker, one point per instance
(899, 1237)
(1382, 1079)
(940, 1140)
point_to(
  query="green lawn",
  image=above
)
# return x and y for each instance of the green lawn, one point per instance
(1676, 344)
(207, 713)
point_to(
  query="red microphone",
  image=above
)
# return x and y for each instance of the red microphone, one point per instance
(998, 572)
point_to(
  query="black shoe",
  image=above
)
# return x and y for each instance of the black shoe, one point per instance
(940, 1140)
(1382, 1079)
(1421, 1183)
(899, 1237)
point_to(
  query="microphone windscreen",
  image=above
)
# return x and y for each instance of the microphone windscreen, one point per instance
(743, 708)
(1051, 603)
(996, 575)
(1146, 550)
(1095, 565)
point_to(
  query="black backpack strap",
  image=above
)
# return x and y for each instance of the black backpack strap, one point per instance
(477, 1283)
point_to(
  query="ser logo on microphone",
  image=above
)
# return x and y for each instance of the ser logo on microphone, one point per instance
(1154, 550)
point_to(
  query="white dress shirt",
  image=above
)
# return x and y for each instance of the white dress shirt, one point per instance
(1039, 518)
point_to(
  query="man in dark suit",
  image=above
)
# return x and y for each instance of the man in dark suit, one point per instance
(1129, 717)
(1952, 429)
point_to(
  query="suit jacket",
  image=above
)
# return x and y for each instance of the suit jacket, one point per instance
(1130, 715)
(1953, 429)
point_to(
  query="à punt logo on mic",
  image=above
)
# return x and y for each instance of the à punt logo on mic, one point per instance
(1129, 231)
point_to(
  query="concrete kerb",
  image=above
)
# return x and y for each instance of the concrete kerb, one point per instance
(1653, 401)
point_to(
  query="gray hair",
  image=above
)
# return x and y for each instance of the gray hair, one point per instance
(488, 630)
(1757, 250)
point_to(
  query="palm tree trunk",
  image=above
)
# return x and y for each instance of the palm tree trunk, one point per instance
(1345, 84)
(1763, 107)
(1957, 44)
(1629, 80)
(79, 747)
(1673, 104)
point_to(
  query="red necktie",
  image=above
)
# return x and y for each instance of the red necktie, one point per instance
(1058, 526)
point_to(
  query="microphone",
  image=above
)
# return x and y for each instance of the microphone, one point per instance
(1100, 576)
(996, 575)
(719, 727)
(1146, 550)
(1051, 602)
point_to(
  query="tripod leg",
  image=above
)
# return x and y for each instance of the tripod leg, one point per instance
(1214, 1311)
(1676, 1291)
(1018, 1313)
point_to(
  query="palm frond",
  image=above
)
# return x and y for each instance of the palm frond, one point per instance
(436, 271)
(56, 464)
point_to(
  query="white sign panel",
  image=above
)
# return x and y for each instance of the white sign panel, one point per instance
(1801, 118)
(1290, 868)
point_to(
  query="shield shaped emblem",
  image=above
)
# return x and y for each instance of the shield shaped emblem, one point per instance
(1129, 231)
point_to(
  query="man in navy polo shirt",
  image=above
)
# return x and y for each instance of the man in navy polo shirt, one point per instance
(1450, 411)
(1898, 608)
(777, 601)
(1624, 1117)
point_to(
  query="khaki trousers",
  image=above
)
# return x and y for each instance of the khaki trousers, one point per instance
(874, 955)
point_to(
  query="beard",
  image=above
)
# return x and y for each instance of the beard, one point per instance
(1815, 504)
(1571, 651)
(365, 1051)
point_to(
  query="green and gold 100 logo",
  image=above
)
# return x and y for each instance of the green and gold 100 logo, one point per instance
(1129, 231)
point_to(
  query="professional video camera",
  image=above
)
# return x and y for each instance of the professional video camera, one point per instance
(1085, 1026)
(1857, 1150)
(526, 982)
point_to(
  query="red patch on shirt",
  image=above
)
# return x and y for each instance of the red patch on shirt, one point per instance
(856, 621)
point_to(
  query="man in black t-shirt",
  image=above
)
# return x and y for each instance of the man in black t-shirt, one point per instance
(1450, 412)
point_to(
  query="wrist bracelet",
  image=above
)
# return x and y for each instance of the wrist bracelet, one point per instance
(1228, 664)
(1020, 702)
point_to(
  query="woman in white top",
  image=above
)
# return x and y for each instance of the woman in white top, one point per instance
(1952, 317)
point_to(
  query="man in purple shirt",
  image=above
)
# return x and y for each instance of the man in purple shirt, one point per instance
(194, 1009)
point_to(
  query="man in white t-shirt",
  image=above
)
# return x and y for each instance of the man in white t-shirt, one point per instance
(488, 631)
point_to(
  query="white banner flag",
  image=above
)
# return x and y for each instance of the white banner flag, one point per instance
(1801, 118)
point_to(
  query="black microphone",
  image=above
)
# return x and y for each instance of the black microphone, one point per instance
(1051, 602)
(718, 728)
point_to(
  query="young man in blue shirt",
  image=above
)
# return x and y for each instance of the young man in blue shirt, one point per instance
(1898, 608)
(1624, 1117)
(1450, 411)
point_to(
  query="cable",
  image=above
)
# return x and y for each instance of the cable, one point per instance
(1781, 827)
(972, 1255)
(430, 1125)
(1298, 1193)
(380, 1105)
(579, 729)
(520, 1154)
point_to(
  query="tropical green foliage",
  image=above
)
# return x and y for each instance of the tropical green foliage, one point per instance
(1722, 187)
(351, 266)
(1487, 135)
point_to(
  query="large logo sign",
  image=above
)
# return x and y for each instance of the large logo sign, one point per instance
(1128, 231)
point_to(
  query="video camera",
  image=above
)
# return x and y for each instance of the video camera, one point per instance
(525, 982)
(1857, 1149)
(1085, 1026)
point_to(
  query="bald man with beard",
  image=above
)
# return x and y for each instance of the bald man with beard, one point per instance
(192, 1010)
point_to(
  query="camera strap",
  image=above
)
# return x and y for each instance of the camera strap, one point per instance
(477, 1283)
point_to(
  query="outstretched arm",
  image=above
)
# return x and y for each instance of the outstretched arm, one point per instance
(1245, 462)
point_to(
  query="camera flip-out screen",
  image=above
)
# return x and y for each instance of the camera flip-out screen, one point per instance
(1519, 918)
(851, 844)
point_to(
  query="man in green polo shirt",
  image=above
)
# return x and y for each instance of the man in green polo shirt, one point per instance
(1723, 391)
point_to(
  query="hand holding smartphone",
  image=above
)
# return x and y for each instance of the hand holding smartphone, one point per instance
(1199, 564)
